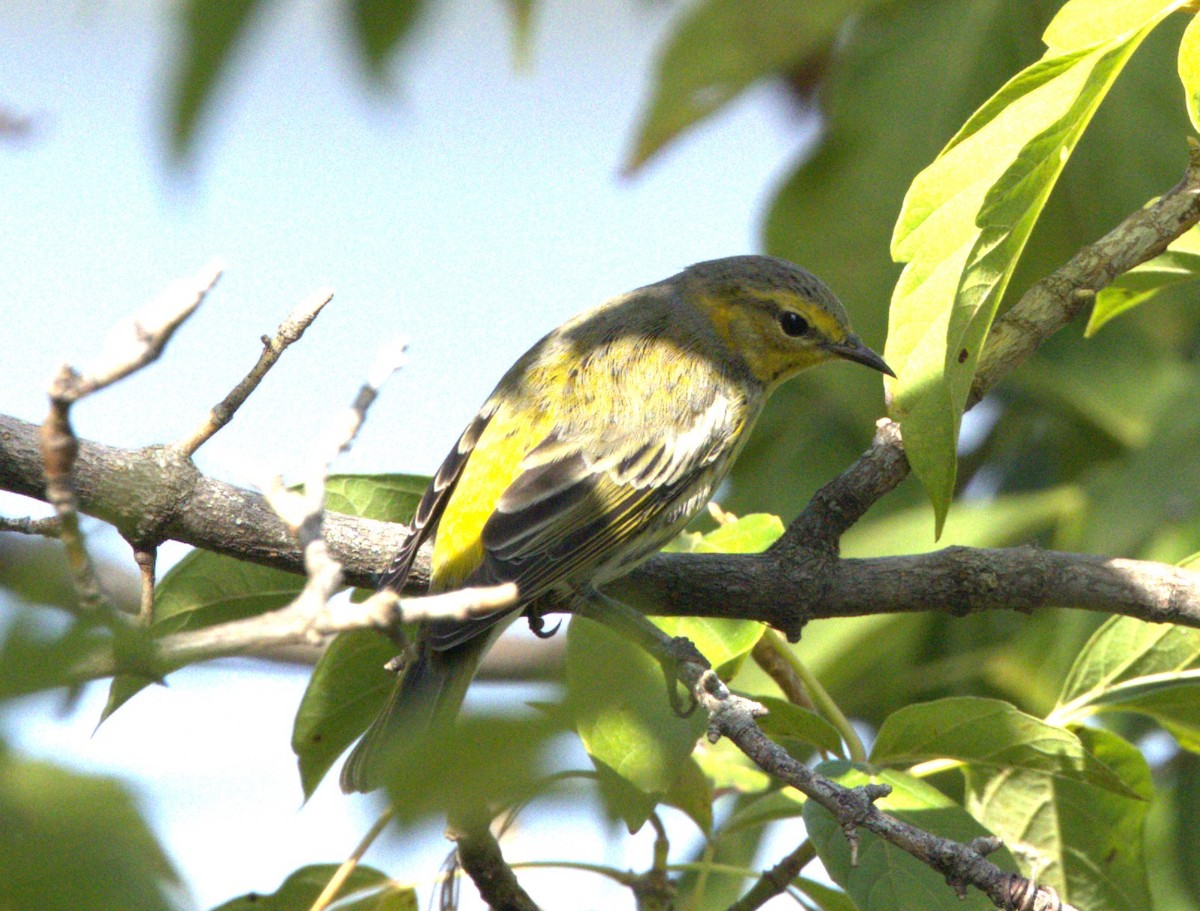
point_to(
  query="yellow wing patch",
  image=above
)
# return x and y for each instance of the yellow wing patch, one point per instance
(492, 466)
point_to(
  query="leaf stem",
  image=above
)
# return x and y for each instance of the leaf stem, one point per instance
(820, 696)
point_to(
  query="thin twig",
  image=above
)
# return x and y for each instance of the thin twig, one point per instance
(132, 344)
(776, 880)
(329, 893)
(290, 331)
(147, 562)
(48, 527)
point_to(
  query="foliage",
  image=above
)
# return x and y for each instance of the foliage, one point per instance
(1025, 727)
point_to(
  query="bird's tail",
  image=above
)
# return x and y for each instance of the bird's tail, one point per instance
(429, 691)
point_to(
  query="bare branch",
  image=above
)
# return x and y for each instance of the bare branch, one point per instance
(482, 860)
(147, 564)
(290, 330)
(48, 527)
(734, 717)
(133, 343)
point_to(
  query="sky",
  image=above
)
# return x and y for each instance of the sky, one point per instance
(470, 209)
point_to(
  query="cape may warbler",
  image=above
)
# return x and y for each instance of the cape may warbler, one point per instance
(595, 449)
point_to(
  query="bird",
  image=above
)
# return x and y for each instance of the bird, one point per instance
(594, 450)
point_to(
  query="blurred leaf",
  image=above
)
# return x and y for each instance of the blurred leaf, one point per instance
(347, 689)
(1189, 70)
(719, 48)
(728, 768)
(379, 25)
(1152, 489)
(618, 698)
(76, 841)
(823, 896)
(458, 770)
(786, 721)
(692, 793)
(750, 534)
(1084, 841)
(34, 656)
(1005, 520)
(757, 810)
(963, 226)
(1179, 263)
(887, 878)
(205, 589)
(522, 30)
(708, 890)
(991, 734)
(365, 889)
(212, 30)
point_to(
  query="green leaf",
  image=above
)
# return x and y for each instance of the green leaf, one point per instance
(787, 723)
(618, 699)
(1084, 841)
(379, 25)
(963, 226)
(991, 734)
(1082, 23)
(1189, 70)
(721, 47)
(347, 689)
(76, 841)
(365, 889)
(825, 898)
(212, 30)
(1131, 666)
(728, 768)
(887, 878)
(1179, 263)
(384, 497)
(692, 793)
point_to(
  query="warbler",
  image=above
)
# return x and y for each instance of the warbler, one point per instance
(595, 449)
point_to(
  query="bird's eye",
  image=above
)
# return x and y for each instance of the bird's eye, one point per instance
(792, 323)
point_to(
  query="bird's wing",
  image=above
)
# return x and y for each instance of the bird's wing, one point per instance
(434, 500)
(583, 505)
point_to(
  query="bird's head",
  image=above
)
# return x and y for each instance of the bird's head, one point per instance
(780, 318)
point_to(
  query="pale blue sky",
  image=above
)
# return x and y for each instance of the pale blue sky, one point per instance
(470, 211)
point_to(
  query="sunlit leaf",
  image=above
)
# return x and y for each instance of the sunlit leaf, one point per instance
(963, 226)
(887, 878)
(990, 734)
(617, 696)
(76, 841)
(1084, 841)
(1132, 666)
(1189, 70)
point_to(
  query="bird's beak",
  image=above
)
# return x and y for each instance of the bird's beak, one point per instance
(852, 349)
